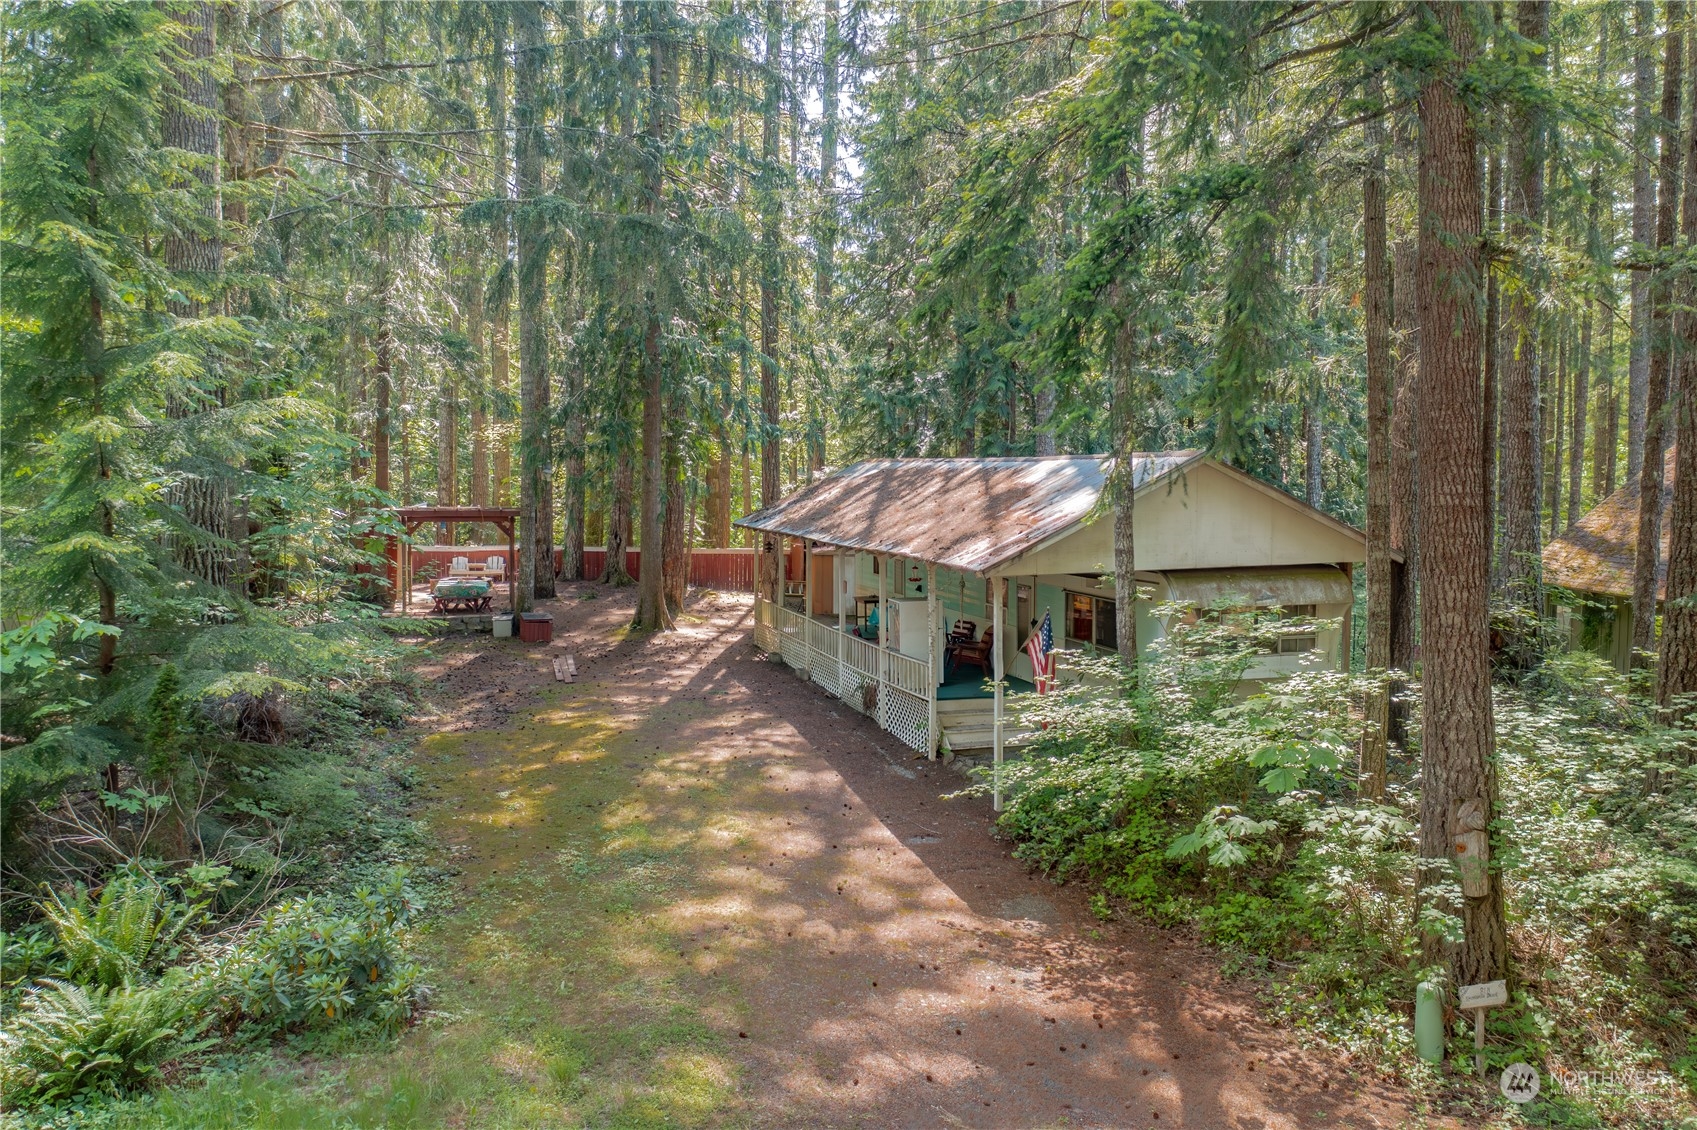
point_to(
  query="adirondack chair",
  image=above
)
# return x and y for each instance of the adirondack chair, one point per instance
(495, 569)
(976, 652)
(459, 567)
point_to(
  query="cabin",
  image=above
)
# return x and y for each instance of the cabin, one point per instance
(911, 586)
(1588, 572)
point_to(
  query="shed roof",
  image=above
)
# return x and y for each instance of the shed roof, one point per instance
(1596, 553)
(967, 514)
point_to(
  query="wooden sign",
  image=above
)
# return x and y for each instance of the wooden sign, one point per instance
(1486, 994)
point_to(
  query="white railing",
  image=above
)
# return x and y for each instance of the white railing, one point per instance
(911, 675)
(765, 625)
(820, 650)
(862, 655)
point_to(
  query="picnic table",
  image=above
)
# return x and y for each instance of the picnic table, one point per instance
(460, 594)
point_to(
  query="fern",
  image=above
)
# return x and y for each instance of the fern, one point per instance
(109, 940)
(67, 1039)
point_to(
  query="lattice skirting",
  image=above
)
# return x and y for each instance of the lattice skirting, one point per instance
(908, 717)
(824, 671)
(794, 649)
(765, 637)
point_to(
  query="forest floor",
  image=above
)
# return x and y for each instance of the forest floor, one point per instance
(694, 890)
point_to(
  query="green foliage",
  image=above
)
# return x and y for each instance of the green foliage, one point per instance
(110, 940)
(1199, 800)
(66, 1039)
(305, 963)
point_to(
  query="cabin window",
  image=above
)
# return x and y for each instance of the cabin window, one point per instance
(1090, 619)
(1296, 643)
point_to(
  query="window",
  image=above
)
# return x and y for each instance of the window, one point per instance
(1081, 617)
(1295, 643)
(1090, 619)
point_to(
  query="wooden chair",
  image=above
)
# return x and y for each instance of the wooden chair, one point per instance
(964, 631)
(975, 652)
(459, 567)
(496, 568)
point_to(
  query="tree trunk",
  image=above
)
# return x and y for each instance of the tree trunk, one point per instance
(827, 237)
(1124, 485)
(618, 520)
(1647, 556)
(1313, 407)
(479, 390)
(536, 519)
(1458, 788)
(771, 267)
(499, 300)
(1643, 230)
(1404, 470)
(675, 557)
(1376, 288)
(1518, 428)
(1676, 674)
(652, 613)
(1493, 358)
(194, 253)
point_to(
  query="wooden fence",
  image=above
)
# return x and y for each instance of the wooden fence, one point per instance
(730, 570)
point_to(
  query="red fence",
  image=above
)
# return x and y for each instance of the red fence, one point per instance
(731, 570)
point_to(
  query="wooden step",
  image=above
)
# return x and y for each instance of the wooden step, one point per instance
(965, 739)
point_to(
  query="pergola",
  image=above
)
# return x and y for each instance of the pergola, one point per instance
(502, 518)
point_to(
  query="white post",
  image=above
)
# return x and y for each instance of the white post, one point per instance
(883, 633)
(806, 612)
(999, 645)
(931, 652)
(844, 581)
(758, 535)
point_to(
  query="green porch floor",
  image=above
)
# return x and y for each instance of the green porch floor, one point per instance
(969, 682)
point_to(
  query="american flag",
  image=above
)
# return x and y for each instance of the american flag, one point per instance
(1041, 647)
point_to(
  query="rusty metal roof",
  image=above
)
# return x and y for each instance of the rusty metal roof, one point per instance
(967, 514)
(1596, 553)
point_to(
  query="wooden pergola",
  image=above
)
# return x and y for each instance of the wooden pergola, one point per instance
(502, 518)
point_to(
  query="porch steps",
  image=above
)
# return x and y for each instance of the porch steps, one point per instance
(979, 736)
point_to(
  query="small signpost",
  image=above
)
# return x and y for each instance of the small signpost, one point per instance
(1478, 998)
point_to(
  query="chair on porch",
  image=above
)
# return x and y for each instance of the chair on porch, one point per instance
(964, 631)
(975, 652)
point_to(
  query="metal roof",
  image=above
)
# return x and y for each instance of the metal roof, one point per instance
(967, 514)
(1597, 553)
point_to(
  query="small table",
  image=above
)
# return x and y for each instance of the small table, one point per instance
(862, 607)
(460, 595)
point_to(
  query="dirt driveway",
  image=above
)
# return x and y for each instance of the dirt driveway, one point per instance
(697, 890)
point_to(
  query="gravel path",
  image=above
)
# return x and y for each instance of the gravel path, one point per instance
(866, 952)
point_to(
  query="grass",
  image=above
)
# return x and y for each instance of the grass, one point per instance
(562, 994)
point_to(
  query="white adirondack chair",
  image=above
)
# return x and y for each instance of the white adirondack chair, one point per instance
(459, 567)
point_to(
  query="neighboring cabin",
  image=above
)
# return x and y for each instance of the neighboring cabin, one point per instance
(934, 541)
(1592, 566)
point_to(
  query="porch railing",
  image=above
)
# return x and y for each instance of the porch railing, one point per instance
(848, 667)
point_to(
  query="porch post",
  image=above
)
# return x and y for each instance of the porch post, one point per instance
(931, 653)
(841, 579)
(999, 645)
(758, 535)
(883, 633)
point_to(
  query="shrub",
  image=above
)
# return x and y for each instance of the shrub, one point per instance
(67, 1039)
(305, 963)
